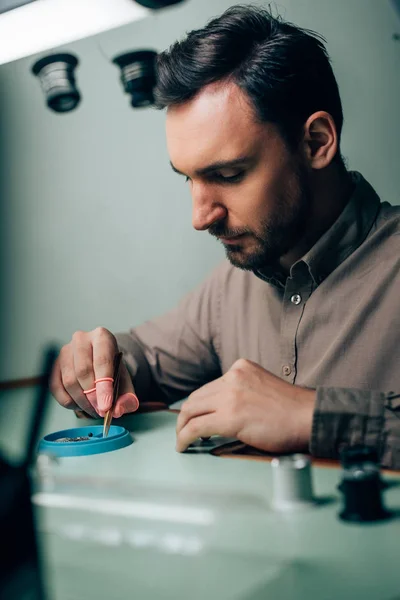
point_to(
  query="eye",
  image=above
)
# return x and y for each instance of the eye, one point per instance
(220, 178)
(231, 179)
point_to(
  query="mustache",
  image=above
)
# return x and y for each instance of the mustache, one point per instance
(220, 230)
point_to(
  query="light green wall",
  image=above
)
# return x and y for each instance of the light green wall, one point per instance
(95, 227)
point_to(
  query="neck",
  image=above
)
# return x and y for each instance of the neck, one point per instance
(330, 191)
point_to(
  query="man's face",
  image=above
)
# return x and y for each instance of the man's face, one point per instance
(248, 189)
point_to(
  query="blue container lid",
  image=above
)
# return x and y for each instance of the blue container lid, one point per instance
(118, 437)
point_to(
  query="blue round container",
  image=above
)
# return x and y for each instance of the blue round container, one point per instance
(118, 437)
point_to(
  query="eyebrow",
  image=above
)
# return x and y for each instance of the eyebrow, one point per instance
(224, 164)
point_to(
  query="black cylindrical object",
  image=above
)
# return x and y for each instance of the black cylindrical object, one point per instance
(157, 4)
(57, 78)
(361, 486)
(138, 76)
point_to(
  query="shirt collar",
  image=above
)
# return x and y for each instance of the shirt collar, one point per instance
(342, 238)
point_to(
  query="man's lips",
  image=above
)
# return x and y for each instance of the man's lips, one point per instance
(231, 240)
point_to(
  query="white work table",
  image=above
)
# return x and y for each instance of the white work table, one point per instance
(149, 523)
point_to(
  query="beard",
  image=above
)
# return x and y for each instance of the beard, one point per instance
(279, 233)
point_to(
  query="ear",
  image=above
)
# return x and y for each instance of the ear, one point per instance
(320, 140)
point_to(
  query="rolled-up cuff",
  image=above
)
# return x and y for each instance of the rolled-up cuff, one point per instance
(346, 417)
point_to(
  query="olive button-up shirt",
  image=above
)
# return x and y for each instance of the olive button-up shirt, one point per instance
(332, 324)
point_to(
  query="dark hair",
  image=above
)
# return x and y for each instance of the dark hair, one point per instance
(285, 70)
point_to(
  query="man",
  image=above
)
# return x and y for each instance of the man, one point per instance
(290, 345)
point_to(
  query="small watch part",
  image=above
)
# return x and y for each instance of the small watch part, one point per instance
(83, 438)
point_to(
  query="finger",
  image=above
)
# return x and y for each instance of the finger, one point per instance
(81, 400)
(127, 401)
(91, 398)
(104, 396)
(82, 352)
(195, 407)
(70, 383)
(62, 392)
(203, 426)
(104, 350)
(209, 388)
(58, 390)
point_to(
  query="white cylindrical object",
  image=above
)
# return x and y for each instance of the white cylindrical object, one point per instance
(291, 482)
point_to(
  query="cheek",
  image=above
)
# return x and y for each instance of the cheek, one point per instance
(279, 188)
(254, 200)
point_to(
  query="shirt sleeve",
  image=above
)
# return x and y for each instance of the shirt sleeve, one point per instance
(346, 417)
(173, 355)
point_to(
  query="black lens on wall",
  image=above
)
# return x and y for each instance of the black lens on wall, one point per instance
(57, 79)
(138, 76)
(155, 4)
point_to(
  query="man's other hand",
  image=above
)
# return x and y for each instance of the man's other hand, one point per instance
(252, 405)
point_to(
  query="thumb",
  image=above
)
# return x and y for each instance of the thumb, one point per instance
(127, 400)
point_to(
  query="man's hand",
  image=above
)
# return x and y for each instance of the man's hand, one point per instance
(252, 405)
(86, 359)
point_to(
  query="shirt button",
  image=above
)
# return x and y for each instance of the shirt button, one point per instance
(286, 370)
(296, 299)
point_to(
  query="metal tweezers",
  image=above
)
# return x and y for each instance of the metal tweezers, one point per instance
(116, 376)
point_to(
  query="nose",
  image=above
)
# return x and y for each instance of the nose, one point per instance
(206, 207)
